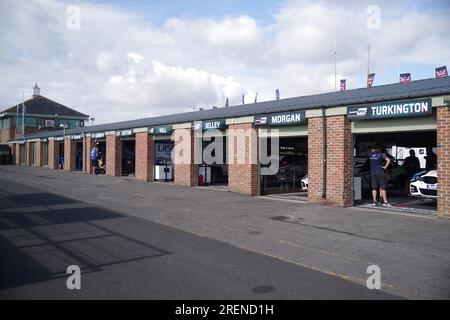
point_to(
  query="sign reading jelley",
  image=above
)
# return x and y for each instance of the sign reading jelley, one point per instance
(398, 109)
(281, 119)
(210, 124)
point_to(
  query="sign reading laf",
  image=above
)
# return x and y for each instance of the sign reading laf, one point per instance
(399, 109)
(281, 119)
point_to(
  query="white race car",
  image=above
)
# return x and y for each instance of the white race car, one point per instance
(424, 185)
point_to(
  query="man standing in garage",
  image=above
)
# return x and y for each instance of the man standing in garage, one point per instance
(411, 166)
(431, 159)
(378, 165)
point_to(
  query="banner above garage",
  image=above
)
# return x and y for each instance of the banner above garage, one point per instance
(161, 130)
(398, 109)
(210, 124)
(281, 119)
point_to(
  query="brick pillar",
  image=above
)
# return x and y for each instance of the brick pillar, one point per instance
(243, 164)
(69, 154)
(185, 169)
(28, 153)
(52, 154)
(339, 167)
(88, 144)
(17, 153)
(39, 158)
(144, 156)
(443, 143)
(113, 155)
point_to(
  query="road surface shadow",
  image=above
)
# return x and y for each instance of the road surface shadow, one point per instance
(41, 234)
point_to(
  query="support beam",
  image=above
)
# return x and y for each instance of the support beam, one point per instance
(113, 155)
(144, 156)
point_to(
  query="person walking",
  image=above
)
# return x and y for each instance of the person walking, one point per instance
(411, 166)
(94, 157)
(378, 165)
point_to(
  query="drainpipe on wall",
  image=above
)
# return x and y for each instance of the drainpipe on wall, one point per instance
(324, 155)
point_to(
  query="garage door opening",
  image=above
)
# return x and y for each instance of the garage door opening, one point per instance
(128, 157)
(22, 150)
(78, 156)
(291, 179)
(215, 173)
(101, 148)
(60, 153)
(411, 182)
(163, 160)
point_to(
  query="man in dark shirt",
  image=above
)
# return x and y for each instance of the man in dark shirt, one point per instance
(431, 159)
(378, 164)
(411, 166)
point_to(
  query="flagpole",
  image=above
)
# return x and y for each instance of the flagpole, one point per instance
(335, 65)
(23, 114)
(17, 115)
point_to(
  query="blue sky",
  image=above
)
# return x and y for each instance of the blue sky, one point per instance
(158, 11)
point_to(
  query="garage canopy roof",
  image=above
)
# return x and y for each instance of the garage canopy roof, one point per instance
(414, 89)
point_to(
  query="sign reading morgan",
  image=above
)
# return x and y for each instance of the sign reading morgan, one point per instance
(281, 119)
(399, 109)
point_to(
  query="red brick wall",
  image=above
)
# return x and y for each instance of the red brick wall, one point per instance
(185, 171)
(144, 156)
(28, 153)
(113, 155)
(243, 165)
(69, 154)
(339, 167)
(17, 153)
(443, 142)
(52, 154)
(39, 158)
(6, 135)
(88, 144)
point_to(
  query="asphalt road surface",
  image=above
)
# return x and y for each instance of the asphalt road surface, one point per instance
(50, 220)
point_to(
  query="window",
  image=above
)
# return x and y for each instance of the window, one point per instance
(4, 123)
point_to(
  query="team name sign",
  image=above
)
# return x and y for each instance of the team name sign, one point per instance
(399, 109)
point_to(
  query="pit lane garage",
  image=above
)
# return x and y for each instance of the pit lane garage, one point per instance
(128, 146)
(163, 146)
(286, 133)
(78, 153)
(410, 144)
(59, 141)
(213, 170)
(100, 143)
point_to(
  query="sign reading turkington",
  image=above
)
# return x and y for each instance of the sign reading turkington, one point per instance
(398, 109)
(281, 119)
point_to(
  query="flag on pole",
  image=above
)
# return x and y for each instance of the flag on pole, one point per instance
(441, 72)
(277, 94)
(343, 84)
(370, 79)
(256, 97)
(405, 77)
(226, 102)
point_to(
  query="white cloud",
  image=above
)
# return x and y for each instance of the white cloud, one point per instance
(119, 66)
